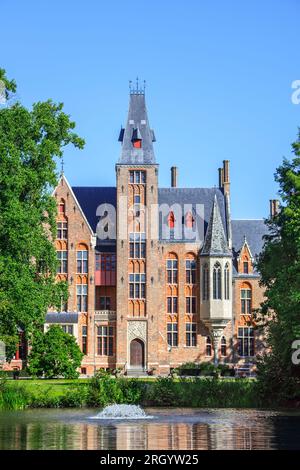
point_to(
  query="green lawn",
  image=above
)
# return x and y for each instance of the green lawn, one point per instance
(55, 387)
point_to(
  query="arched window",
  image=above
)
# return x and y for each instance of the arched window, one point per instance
(172, 269)
(61, 207)
(190, 270)
(217, 282)
(223, 347)
(208, 346)
(226, 282)
(205, 282)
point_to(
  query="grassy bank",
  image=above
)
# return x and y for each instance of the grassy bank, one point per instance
(99, 392)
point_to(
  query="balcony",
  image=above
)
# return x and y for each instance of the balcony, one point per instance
(105, 278)
(105, 315)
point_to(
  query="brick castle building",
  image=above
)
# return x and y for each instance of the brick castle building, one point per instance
(157, 276)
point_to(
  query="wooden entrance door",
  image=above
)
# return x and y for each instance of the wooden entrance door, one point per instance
(137, 353)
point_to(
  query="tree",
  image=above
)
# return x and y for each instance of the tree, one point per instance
(279, 265)
(54, 353)
(30, 140)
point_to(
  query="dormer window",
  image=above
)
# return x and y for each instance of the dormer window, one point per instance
(171, 220)
(246, 267)
(189, 220)
(136, 138)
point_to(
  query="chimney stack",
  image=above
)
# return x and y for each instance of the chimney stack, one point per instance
(221, 178)
(226, 178)
(174, 175)
(274, 207)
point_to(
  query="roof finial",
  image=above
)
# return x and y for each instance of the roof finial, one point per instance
(62, 166)
(137, 89)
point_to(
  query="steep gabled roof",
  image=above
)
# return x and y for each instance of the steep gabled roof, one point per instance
(253, 230)
(137, 127)
(90, 198)
(215, 243)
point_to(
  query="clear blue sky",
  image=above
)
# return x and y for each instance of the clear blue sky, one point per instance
(218, 74)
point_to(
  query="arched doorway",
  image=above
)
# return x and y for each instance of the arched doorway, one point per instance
(137, 354)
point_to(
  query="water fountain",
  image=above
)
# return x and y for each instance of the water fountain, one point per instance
(122, 412)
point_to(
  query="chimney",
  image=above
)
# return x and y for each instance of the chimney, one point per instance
(274, 207)
(174, 175)
(226, 178)
(221, 178)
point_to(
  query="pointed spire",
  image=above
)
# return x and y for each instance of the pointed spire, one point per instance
(215, 242)
(137, 129)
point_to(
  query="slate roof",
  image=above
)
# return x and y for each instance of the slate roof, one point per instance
(137, 126)
(254, 230)
(90, 198)
(215, 243)
(61, 317)
(193, 197)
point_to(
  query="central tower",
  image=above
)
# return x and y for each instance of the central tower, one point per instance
(137, 238)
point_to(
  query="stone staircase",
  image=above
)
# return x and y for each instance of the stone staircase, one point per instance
(136, 373)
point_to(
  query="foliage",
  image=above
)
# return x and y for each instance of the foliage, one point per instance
(30, 140)
(12, 398)
(204, 369)
(279, 265)
(106, 390)
(54, 353)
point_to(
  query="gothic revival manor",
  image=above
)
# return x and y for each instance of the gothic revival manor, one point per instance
(157, 276)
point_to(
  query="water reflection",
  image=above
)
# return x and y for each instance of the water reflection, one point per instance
(170, 429)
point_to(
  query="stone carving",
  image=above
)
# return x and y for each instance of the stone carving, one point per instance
(137, 329)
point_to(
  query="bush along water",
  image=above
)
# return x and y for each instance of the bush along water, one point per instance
(104, 389)
(13, 398)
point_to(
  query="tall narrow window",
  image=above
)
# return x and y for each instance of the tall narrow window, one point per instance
(62, 230)
(226, 282)
(190, 334)
(208, 346)
(223, 347)
(137, 285)
(172, 304)
(172, 334)
(246, 342)
(190, 304)
(137, 245)
(84, 339)
(62, 258)
(172, 271)
(82, 297)
(246, 301)
(217, 282)
(105, 338)
(205, 282)
(246, 267)
(61, 207)
(82, 261)
(190, 271)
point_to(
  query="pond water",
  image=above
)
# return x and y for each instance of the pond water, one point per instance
(168, 428)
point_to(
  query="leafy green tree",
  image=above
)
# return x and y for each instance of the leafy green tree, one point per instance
(279, 265)
(54, 353)
(30, 141)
